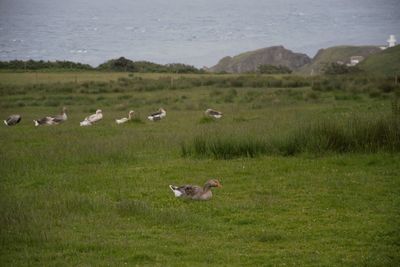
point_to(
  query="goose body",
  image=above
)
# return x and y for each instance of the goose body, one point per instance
(195, 192)
(213, 113)
(12, 120)
(52, 120)
(156, 116)
(123, 120)
(90, 120)
(85, 123)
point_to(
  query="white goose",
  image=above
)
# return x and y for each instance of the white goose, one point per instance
(161, 113)
(92, 118)
(52, 120)
(123, 120)
(213, 113)
(12, 120)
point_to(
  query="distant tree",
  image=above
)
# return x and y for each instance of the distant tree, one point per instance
(182, 68)
(271, 69)
(337, 69)
(42, 65)
(123, 64)
(119, 64)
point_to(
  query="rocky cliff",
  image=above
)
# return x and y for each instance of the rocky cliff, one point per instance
(249, 61)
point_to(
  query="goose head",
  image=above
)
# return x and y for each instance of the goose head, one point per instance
(98, 111)
(64, 110)
(163, 112)
(212, 183)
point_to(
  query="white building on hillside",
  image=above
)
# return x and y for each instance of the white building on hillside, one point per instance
(354, 60)
(391, 42)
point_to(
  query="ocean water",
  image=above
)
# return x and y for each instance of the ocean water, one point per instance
(195, 32)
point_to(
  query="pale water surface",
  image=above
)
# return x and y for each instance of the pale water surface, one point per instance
(196, 32)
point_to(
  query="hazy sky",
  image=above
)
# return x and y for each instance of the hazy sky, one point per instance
(188, 31)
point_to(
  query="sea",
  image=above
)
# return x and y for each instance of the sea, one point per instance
(194, 32)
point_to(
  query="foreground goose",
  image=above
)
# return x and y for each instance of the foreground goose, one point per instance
(52, 120)
(161, 113)
(194, 191)
(92, 118)
(123, 120)
(213, 113)
(12, 120)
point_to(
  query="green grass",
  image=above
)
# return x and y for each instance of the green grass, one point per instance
(98, 196)
(383, 63)
(24, 78)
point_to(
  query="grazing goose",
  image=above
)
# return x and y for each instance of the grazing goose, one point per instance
(195, 192)
(12, 120)
(123, 120)
(213, 113)
(161, 113)
(92, 118)
(52, 120)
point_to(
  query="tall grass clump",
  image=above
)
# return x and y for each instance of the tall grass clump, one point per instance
(355, 135)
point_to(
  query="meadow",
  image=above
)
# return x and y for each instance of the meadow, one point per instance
(309, 168)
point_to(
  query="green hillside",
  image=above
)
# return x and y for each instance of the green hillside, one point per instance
(386, 62)
(250, 61)
(335, 54)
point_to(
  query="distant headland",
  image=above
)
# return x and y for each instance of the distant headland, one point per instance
(269, 60)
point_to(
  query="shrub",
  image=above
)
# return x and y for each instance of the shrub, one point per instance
(387, 87)
(375, 93)
(337, 69)
(271, 69)
(311, 95)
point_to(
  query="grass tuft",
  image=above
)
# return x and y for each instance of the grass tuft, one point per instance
(225, 147)
(269, 237)
(205, 120)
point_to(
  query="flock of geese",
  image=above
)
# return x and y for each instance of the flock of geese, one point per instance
(94, 118)
(193, 192)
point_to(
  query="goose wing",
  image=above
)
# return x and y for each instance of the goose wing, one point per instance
(94, 117)
(58, 118)
(13, 119)
(190, 190)
(214, 112)
(156, 114)
(46, 119)
(123, 120)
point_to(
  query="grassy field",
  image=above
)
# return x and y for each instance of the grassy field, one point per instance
(45, 77)
(99, 196)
